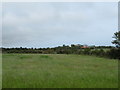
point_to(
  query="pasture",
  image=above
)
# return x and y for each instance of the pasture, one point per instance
(0, 70)
(58, 71)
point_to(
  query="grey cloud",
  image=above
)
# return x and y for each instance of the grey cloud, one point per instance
(52, 24)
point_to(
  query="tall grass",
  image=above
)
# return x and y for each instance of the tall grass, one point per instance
(58, 71)
(0, 70)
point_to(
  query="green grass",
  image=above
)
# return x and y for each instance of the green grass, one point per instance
(0, 70)
(58, 71)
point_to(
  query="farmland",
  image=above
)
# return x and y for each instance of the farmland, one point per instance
(58, 71)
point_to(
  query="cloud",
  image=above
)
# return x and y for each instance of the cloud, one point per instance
(53, 24)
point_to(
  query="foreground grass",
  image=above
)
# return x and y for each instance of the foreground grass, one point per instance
(0, 70)
(58, 71)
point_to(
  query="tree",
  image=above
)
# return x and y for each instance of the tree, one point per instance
(117, 39)
(115, 52)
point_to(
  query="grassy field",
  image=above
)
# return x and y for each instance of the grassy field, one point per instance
(0, 70)
(58, 71)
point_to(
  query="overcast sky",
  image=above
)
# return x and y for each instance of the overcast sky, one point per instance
(54, 24)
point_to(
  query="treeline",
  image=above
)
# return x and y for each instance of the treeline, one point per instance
(102, 51)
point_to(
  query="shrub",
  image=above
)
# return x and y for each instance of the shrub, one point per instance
(114, 53)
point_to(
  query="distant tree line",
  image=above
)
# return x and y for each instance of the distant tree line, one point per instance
(102, 51)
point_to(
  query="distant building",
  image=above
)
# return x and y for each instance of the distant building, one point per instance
(85, 46)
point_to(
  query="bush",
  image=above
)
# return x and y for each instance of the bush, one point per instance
(114, 53)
